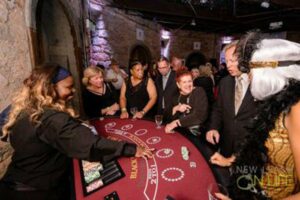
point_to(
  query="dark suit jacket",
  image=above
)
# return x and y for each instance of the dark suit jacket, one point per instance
(169, 93)
(230, 126)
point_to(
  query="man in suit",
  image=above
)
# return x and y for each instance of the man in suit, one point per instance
(234, 108)
(166, 88)
(177, 64)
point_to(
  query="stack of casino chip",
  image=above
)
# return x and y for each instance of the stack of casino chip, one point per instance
(91, 171)
(184, 153)
(95, 185)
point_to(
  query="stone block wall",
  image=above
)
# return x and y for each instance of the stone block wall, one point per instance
(15, 62)
(115, 36)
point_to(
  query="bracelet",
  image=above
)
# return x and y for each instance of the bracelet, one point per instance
(143, 112)
(123, 110)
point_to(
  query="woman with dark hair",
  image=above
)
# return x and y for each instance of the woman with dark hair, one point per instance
(139, 91)
(45, 135)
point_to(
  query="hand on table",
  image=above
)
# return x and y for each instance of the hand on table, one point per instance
(170, 127)
(144, 152)
(115, 107)
(213, 136)
(138, 115)
(220, 160)
(110, 112)
(124, 115)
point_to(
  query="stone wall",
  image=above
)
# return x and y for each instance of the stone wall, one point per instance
(115, 36)
(15, 62)
(183, 42)
(17, 36)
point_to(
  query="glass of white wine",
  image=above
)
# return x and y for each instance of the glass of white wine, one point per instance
(133, 111)
(158, 121)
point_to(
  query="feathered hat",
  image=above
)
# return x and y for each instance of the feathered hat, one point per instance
(255, 51)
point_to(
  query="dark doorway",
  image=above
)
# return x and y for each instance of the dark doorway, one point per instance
(56, 40)
(140, 53)
(195, 59)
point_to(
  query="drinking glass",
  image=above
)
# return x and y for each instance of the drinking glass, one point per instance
(133, 110)
(158, 121)
(214, 188)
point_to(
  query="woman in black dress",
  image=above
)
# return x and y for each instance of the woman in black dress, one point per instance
(99, 98)
(139, 91)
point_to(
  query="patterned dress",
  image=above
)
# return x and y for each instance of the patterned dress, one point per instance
(280, 178)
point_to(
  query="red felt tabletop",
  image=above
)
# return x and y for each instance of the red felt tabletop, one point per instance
(167, 173)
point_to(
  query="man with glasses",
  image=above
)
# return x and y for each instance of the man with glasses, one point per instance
(166, 88)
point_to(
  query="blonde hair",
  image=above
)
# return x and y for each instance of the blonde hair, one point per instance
(37, 93)
(230, 45)
(90, 72)
(205, 70)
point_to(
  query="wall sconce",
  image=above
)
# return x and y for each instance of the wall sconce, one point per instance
(193, 22)
(265, 4)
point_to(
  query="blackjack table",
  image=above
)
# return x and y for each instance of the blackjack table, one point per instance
(168, 175)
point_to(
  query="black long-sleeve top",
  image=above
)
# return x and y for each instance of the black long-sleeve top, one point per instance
(198, 114)
(42, 153)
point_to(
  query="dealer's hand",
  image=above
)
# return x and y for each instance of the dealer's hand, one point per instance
(144, 152)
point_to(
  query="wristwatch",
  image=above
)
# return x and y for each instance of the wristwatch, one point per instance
(143, 112)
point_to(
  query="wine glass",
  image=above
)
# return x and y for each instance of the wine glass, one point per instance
(214, 188)
(133, 111)
(158, 121)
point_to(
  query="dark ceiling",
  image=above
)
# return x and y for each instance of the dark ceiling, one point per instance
(218, 16)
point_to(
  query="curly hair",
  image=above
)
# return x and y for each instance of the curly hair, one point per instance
(37, 93)
(253, 151)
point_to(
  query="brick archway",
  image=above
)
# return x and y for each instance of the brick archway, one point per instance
(141, 53)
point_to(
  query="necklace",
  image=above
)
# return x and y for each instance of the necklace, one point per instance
(187, 102)
(97, 92)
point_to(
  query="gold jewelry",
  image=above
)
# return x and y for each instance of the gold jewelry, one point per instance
(123, 110)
